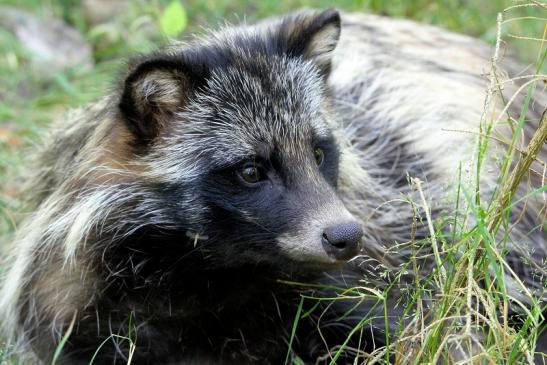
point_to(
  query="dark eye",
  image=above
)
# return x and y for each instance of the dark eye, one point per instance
(251, 174)
(319, 156)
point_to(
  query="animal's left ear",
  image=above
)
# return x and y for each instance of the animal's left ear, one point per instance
(313, 35)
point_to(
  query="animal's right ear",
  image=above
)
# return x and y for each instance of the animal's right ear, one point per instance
(152, 93)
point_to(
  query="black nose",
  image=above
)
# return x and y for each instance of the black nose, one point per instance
(341, 241)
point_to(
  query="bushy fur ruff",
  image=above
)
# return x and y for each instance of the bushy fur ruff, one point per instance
(141, 230)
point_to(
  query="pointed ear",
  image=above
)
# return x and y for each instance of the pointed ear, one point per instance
(314, 36)
(152, 93)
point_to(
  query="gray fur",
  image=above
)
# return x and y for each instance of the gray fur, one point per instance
(396, 94)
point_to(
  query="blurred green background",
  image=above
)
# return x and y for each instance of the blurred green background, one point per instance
(34, 92)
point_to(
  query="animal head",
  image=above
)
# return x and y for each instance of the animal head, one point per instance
(238, 137)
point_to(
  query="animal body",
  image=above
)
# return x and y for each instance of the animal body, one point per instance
(177, 211)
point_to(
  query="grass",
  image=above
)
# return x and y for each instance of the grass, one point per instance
(469, 273)
(466, 292)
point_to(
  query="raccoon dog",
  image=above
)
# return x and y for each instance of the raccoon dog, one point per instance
(172, 219)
